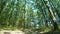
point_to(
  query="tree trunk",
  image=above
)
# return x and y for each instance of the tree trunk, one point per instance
(54, 19)
(52, 15)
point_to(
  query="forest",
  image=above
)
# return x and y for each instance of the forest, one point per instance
(30, 16)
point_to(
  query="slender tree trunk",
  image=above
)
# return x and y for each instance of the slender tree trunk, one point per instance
(46, 23)
(54, 19)
(52, 15)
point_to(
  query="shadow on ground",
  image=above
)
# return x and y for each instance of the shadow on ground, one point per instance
(52, 32)
(38, 32)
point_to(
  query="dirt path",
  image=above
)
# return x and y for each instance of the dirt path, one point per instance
(11, 32)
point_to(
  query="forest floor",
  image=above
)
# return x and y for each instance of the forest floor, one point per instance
(11, 32)
(27, 32)
(52, 32)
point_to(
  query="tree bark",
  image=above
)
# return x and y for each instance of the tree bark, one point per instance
(52, 15)
(54, 19)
